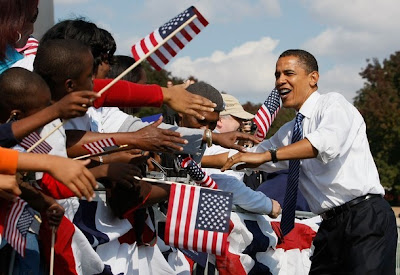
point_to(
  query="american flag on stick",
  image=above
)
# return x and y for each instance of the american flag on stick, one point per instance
(197, 174)
(267, 113)
(198, 219)
(33, 138)
(17, 224)
(170, 38)
(101, 146)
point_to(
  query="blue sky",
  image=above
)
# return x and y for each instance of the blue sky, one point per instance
(237, 51)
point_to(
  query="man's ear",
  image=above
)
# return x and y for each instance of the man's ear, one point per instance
(69, 85)
(314, 77)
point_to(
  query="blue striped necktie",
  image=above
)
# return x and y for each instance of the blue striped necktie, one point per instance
(289, 203)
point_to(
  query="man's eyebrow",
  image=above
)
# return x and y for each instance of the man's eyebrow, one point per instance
(288, 71)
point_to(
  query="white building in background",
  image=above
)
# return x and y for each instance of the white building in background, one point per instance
(45, 19)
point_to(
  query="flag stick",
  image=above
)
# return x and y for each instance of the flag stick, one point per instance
(168, 182)
(104, 153)
(146, 55)
(45, 137)
(53, 237)
(121, 76)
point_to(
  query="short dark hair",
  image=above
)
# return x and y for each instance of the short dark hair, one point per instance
(60, 59)
(100, 41)
(123, 62)
(206, 90)
(18, 90)
(308, 61)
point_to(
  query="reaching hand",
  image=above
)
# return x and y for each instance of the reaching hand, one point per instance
(74, 175)
(74, 104)
(123, 174)
(9, 187)
(54, 214)
(251, 160)
(229, 139)
(182, 101)
(134, 156)
(276, 209)
(151, 138)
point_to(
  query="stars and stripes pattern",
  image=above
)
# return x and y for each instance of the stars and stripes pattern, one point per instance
(31, 139)
(197, 174)
(198, 219)
(101, 146)
(169, 47)
(267, 113)
(289, 203)
(17, 225)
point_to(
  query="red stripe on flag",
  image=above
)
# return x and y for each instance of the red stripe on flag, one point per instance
(188, 219)
(143, 46)
(168, 221)
(153, 63)
(134, 52)
(186, 35)
(178, 217)
(204, 245)
(202, 20)
(194, 27)
(161, 56)
(169, 49)
(153, 39)
(178, 42)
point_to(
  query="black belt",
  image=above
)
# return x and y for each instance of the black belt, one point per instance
(331, 213)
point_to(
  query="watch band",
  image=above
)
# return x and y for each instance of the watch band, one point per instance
(273, 151)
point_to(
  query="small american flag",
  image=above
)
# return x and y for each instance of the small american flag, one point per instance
(197, 174)
(169, 48)
(31, 139)
(17, 224)
(198, 219)
(101, 146)
(267, 113)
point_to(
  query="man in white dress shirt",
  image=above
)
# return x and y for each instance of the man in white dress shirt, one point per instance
(337, 174)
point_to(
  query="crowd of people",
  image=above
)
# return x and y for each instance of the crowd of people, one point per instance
(328, 169)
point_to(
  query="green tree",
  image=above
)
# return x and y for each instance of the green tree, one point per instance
(379, 103)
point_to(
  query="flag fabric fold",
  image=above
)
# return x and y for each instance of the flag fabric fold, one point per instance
(197, 174)
(198, 219)
(267, 113)
(101, 146)
(169, 47)
(17, 224)
(31, 139)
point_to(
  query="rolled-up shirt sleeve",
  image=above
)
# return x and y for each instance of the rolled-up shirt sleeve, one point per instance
(334, 132)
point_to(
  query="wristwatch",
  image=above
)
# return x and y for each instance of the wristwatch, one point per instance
(273, 151)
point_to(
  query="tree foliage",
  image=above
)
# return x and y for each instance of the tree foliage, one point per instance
(379, 103)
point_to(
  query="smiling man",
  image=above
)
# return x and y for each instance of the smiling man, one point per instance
(327, 152)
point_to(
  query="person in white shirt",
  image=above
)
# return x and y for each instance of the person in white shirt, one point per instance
(243, 196)
(337, 176)
(230, 119)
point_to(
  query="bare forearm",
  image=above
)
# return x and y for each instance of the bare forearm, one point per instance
(302, 149)
(214, 161)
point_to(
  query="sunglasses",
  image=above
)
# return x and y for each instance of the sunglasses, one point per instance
(34, 18)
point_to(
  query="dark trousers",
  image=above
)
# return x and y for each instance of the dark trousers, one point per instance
(361, 240)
